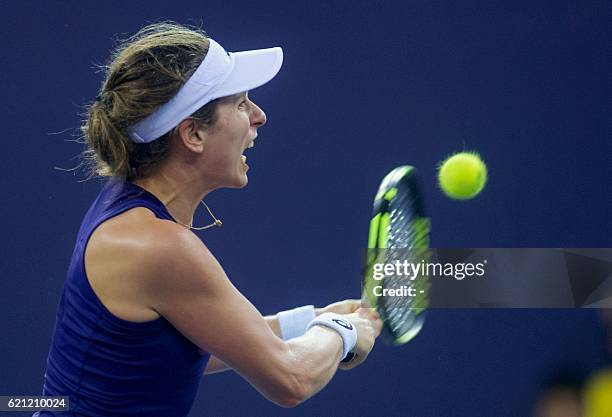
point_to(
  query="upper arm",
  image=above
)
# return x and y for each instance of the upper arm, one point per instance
(190, 289)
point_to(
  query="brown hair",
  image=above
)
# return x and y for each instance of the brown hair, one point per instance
(144, 72)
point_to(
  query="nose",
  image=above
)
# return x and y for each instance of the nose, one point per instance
(258, 117)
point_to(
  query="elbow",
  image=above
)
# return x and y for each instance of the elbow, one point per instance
(288, 402)
(292, 393)
(291, 380)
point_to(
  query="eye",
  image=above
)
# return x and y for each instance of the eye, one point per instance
(243, 103)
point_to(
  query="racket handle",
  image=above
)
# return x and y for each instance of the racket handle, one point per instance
(349, 357)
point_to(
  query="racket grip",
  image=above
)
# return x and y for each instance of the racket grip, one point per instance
(349, 357)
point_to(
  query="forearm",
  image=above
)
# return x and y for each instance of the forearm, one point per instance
(215, 365)
(272, 321)
(288, 372)
(298, 368)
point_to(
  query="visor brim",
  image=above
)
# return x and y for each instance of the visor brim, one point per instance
(252, 69)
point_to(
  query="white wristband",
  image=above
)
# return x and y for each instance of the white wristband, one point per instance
(340, 324)
(293, 322)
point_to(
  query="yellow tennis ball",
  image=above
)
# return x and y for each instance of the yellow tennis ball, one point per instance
(462, 176)
(598, 395)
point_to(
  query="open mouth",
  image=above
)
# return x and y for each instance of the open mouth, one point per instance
(249, 146)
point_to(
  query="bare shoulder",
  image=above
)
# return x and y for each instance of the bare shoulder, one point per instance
(130, 254)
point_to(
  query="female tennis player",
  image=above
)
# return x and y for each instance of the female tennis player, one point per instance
(146, 308)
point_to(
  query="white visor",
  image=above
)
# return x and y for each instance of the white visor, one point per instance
(220, 74)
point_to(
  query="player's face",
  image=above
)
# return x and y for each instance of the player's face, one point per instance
(235, 128)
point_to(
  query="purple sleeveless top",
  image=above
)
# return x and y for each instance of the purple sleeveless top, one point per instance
(111, 367)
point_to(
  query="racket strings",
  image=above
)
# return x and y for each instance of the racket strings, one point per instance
(407, 240)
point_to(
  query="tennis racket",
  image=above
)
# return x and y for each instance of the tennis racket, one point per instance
(399, 230)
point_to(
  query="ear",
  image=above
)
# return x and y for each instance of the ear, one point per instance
(190, 136)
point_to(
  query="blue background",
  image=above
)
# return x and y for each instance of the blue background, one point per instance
(365, 86)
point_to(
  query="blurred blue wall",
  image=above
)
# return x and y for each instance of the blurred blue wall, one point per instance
(365, 86)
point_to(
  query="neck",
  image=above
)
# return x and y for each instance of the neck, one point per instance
(179, 192)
